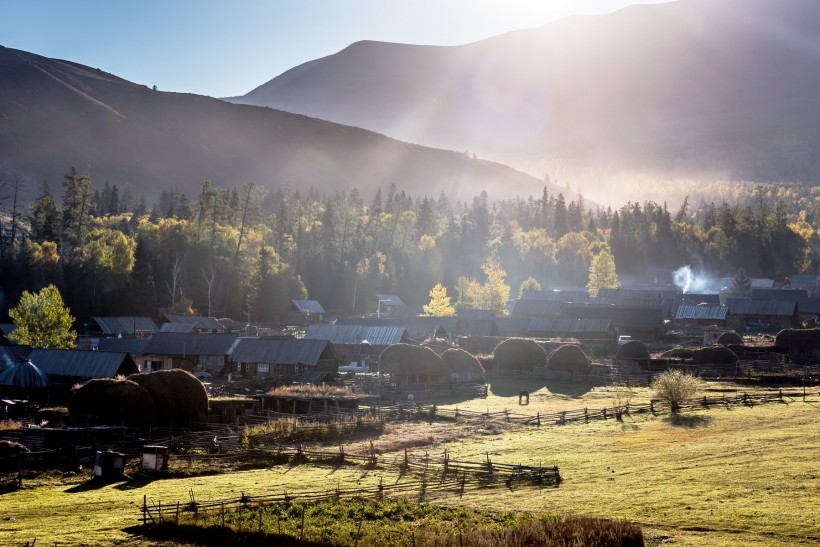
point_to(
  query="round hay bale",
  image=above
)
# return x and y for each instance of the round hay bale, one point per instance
(407, 359)
(634, 349)
(715, 355)
(463, 364)
(568, 358)
(11, 448)
(519, 354)
(798, 339)
(678, 353)
(729, 338)
(113, 400)
(177, 393)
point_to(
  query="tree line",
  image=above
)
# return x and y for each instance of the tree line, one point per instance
(246, 252)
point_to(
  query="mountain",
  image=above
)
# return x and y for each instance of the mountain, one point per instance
(56, 114)
(721, 88)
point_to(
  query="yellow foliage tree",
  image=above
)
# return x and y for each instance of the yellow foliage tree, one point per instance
(439, 305)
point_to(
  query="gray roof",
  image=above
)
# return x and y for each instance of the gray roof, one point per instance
(747, 306)
(809, 305)
(7, 328)
(209, 323)
(179, 328)
(779, 294)
(11, 355)
(707, 313)
(469, 314)
(309, 307)
(558, 296)
(134, 346)
(356, 334)
(24, 374)
(82, 365)
(279, 351)
(554, 325)
(660, 292)
(512, 325)
(535, 307)
(126, 325)
(389, 300)
(479, 328)
(172, 343)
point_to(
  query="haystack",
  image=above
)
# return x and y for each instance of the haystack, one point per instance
(568, 358)
(519, 354)
(804, 340)
(678, 353)
(729, 338)
(113, 400)
(634, 349)
(408, 359)
(177, 393)
(11, 448)
(715, 355)
(463, 365)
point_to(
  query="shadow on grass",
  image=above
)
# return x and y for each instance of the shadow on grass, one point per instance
(567, 387)
(679, 420)
(509, 387)
(212, 535)
(91, 484)
(137, 482)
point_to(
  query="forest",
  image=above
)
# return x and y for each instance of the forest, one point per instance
(245, 252)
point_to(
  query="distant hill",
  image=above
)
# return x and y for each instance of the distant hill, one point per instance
(695, 88)
(56, 114)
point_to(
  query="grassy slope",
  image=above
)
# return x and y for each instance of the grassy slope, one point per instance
(744, 476)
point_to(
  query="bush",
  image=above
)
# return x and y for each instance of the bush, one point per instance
(674, 386)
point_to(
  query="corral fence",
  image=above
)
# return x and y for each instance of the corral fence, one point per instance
(432, 477)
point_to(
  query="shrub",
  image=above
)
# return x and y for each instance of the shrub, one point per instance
(674, 386)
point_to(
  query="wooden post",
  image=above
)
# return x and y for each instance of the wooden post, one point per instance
(302, 531)
(537, 420)
(586, 416)
(604, 411)
(176, 517)
(144, 509)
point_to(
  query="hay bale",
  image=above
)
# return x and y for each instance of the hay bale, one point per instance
(463, 363)
(715, 355)
(568, 358)
(678, 353)
(805, 340)
(519, 354)
(113, 400)
(177, 393)
(409, 359)
(11, 448)
(634, 349)
(730, 338)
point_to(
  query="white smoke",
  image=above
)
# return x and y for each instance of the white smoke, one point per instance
(687, 280)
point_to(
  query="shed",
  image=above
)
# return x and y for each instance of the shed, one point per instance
(283, 357)
(310, 310)
(191, 352)
(745, 313)
(133, 326)
(68, 365)
(702, 314)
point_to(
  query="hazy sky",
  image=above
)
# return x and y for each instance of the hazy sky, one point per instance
(222, 48)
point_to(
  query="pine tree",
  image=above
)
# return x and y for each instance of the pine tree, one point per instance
(439, 305)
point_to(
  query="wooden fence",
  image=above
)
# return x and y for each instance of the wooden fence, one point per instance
(435, 476)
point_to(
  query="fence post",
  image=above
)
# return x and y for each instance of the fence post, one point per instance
(586, 416)
(538, 419)
(176, 517)
(604, 411)
(144, 509)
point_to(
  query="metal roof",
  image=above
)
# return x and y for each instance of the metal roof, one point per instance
(779, 294)
(210, 323)
(660, 292)
(469, 314)
(535, 307)
(554, 325)
(389, 299)
(7, 328)
(748, 306)
(356, 334)
(556, 295)
(126, 325)
(180, 328)
(24, 374)
(512, 325)
(693, 299)
(134, 346)
(279, 352)
(11, 355)
(809, 305)
(172, 343)
(82, 364)
(479, 328)
(621, 316)
(707, 313)
(308, 307)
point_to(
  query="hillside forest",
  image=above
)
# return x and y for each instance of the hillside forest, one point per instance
(245, 252)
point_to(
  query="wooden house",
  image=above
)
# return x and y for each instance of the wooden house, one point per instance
(192, 324)
(312, 360)
(749, 313)
(70, 366)
(127, 326)
(702, 315)
(206, 353)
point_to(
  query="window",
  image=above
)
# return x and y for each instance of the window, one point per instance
(263, 368)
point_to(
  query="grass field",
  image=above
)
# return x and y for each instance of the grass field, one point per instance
(737, 476)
